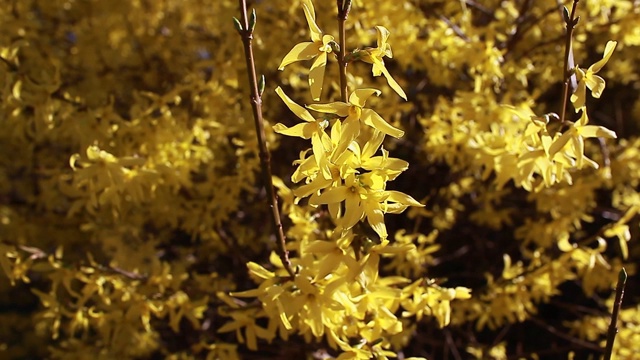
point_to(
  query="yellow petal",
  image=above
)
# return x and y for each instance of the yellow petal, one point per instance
(353, 211)
(392, 82)
(333, 195)
(590, 131)
(259, 271)
(374, 120)
(321, 157)
(305, 190)
(372, 145)
(350, 130)
(300, 112)
(360, 96)
(375, 217)
(316, 75)
(302, 130)
(339, 108)
(320, 247)
(310, 14)
(302, 51)
(578, 97)
(584, 119)
(560, 142)
(608, 51)
(563, 243)
(596, 84)
(383, 35)
(578, 149)
(399, 197)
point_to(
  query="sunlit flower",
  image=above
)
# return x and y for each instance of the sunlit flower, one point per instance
(374, 56)
(588, 78)
(311, 129)
(318, 47)
(577, 133)
(354, 111)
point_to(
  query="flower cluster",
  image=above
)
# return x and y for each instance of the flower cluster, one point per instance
(337, 291)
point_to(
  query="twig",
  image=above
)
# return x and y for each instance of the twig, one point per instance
(606, 156)
(560, 334)
(231, 244)
(613, 327)
(35, 252)
(39, 254)
(344, 6)
(482, 9)
(245, 29)
(570, 22)
(452, 346)
(456, 29)
(520, 28)
(116, 270)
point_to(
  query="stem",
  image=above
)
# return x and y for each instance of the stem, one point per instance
(613, 328)
(246, 33)
(344, 6)
(568, 57)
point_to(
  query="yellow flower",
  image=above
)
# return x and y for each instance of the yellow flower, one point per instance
(577, 133)
(318, 47)
(588, 78)
(374, 56)
(359, 201)
(355, 112)
(364, 157)
(306, 130)
(311, 129)
(364, 196)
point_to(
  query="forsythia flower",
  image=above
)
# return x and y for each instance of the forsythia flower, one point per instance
(311, 129)
(588, 78)
(374, 56)
(576, 133)
(355, 112)
(318, 47)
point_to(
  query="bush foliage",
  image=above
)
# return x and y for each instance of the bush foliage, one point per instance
(490, 223)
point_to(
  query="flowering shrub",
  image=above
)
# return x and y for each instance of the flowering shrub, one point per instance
(456, 183)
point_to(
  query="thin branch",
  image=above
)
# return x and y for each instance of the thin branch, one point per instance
(520, 26)
(119, 271)
(560, 334)
(456, 29)
(10, 65)
(344, 6)
(568, 58)
(452, 346)
(482, 9)
(231, 244)
(613, 327)
(246, 33)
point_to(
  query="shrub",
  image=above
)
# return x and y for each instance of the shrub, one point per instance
(139, 218)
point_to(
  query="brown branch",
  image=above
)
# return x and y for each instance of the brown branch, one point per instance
(119, 271)
(613, 327)
(560, 334)
(568, 59)
(245, 29)
(520, 28)
(39, 254)
(344, 6)
(456, 29)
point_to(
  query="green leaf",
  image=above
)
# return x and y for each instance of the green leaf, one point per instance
(575, 21)
(237, 24)
(622, 276)
(252, 20)
(261, 84)
(565, 15)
